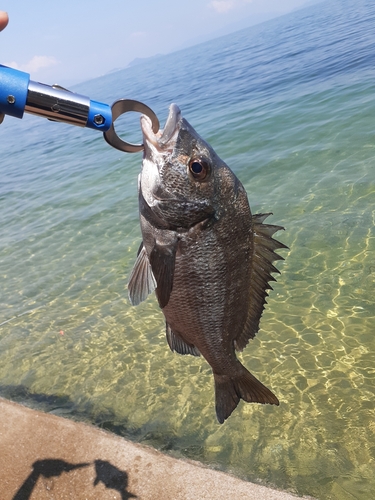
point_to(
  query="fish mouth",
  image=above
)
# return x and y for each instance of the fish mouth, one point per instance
(164, 139)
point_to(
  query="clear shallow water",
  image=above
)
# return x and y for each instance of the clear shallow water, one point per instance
(290, 106)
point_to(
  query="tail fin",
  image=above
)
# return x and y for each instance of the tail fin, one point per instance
(229, 391)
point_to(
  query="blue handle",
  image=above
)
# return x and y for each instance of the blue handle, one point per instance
(18, 94)
(13, 91)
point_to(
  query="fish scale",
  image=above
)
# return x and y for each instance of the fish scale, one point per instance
(190, 315)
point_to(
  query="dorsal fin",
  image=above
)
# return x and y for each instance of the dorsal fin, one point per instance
(264, 254)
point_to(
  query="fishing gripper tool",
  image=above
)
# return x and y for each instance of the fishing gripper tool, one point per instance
(19, 94)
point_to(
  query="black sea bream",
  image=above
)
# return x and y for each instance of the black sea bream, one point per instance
(207, 257)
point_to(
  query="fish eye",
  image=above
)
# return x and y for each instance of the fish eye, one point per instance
(199, 168)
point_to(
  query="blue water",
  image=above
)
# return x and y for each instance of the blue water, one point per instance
(290, 106)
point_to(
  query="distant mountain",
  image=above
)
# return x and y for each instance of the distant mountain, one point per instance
(246, 22)
(308, 4)
(135, 62)
(141, 60)
(226, 30)
(231, 28)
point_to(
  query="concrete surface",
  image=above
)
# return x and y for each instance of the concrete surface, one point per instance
(47, 457)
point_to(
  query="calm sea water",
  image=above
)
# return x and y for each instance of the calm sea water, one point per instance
(290, 105)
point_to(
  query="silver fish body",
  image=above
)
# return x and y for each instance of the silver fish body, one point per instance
(206, 256)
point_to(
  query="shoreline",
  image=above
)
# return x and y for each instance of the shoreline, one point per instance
(49, 457)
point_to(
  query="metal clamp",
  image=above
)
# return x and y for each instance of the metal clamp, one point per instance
(119, 108)
(18, 94)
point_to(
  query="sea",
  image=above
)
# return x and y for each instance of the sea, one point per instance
(290, 106)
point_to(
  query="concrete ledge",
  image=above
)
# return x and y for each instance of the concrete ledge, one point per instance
(47, 457)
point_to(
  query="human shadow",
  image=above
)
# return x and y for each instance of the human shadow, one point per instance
(47, 468)
(108, 474)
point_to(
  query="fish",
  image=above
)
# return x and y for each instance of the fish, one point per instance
(206, 256)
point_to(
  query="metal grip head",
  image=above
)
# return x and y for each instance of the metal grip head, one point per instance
(119, 108)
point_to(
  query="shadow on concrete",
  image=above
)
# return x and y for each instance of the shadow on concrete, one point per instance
(112, 477)
(44, 468)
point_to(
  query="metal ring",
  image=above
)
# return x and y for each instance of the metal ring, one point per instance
(119, 108)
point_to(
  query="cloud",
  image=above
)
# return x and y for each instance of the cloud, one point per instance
(35, 64)
(222, 6)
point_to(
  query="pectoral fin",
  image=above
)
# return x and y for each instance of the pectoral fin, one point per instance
(142, 281)
(162, 260)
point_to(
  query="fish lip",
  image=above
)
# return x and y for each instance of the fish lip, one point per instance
(171, 124)
(161, 140)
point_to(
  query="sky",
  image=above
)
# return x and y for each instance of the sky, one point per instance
(73, 41)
